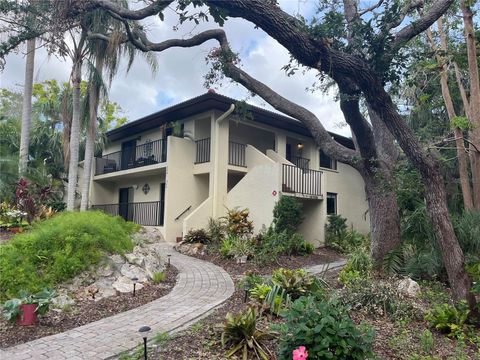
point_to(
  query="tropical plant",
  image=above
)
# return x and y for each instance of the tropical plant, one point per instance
(216, 230)
(235, 247)
(196, 236)
(237, 223)
(241, 334)
(325, 329)
(295, 282)
(11, 308)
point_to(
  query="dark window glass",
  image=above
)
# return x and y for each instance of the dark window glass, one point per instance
(327, 162)
(331, 203)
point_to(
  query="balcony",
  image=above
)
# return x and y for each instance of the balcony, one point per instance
(143, 213)
(301, 162)
(202, 151)
(301, 181)
(236, 154)
(151, 153)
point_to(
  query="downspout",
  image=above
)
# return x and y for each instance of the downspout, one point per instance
(216, 171)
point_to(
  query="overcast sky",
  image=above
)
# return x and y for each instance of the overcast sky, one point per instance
(180, 71)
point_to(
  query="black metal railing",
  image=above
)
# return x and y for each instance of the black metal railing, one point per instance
(203, 151)
(236, 154)
(301, 162)
(143, 213)
(296, 180)
(153, 152)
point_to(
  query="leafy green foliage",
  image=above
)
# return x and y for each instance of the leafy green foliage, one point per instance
(325, 329)
(196, 236)
(216, 230)
(342, 239)
(11, 308)
(287, 215)
(449, 319)
(58, 249)
(235, 246)
(240, 334)
(272, 244)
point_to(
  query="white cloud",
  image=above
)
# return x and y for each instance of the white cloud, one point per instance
(180, 71)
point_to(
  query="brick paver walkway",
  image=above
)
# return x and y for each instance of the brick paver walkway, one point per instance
(200, 287)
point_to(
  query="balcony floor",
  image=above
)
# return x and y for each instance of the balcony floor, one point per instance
(133, 173)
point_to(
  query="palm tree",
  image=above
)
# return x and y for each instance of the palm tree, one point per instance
(76, 78)
(106, 55)
(27, 108)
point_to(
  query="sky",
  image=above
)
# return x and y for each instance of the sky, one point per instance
(180, 73)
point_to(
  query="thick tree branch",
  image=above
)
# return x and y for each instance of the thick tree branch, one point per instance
(154, 8)
(418, 26)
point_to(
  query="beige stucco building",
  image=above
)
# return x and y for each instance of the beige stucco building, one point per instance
(180, 166)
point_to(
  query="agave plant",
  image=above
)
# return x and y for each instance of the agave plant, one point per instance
(241, 334)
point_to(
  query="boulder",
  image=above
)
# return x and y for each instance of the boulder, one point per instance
(190, 249)
(135, 258)
(124, 284)
(408, 287)
(132, 271)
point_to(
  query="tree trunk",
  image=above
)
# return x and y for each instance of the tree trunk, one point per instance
(474, 100)
(459, 142)
(384, 215)
(74, 135)
(94, 94)
(27, 109)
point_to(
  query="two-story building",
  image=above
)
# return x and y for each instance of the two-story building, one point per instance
(180, 166)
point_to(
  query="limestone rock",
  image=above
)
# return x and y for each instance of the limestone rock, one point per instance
(408, 287)
(135, 258)
(125, 285)
(62, 300)
(132, 271)
(190, 249)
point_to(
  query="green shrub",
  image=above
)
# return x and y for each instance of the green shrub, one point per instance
(272, 244)
(359, 265)
(377, 298)
(60, 248)
(341, 239)
(295, 282)
(449, 319)
(287, 215)
(325, 329)
(240, 334)
(250, 281)
(196, 236)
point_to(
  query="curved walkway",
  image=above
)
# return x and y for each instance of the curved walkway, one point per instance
(201, 286)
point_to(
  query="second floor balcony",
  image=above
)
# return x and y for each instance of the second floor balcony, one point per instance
(153, 152)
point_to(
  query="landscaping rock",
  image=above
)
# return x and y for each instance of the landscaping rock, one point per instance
(132, 271)
(135, 259)
(408, 287)
(191, 249)
(61, 301)
(125, 285)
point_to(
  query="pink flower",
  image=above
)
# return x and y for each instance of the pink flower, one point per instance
(300, 353)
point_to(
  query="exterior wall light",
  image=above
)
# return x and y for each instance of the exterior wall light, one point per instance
(144, 330)
(146, 189)
(300, 146)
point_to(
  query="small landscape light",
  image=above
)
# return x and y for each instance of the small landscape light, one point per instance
(168, 259)
(135, 280)
(144, 330)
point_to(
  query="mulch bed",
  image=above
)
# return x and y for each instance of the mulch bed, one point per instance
(84, 312)
(5, 235)
(319, 256)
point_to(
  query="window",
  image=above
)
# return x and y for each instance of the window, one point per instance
(326, 162)
(331, 203)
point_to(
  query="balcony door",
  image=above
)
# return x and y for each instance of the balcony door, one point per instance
(125, 199)
(128, 154)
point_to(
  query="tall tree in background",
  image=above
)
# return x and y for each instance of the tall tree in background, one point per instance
(452, 115)
(27, 108)
(473, 105)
